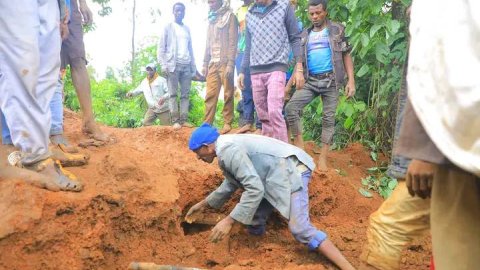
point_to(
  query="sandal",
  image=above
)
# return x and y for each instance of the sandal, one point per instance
(64, 180)
(67, 159)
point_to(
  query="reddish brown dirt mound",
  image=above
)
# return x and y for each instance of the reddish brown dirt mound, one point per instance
(136, 192)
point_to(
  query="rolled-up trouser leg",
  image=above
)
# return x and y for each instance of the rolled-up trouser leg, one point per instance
(455, 219)
(400, 219)
(29, 67)
(299, 222)
(56, 108)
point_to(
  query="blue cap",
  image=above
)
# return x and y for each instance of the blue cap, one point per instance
(205, 134)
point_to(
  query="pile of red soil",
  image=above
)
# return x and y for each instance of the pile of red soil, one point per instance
(136, 192)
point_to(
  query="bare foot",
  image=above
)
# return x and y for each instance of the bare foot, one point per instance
(94, 132)
(258, 131)
(226, 128)
(244, 129)
(60, 141)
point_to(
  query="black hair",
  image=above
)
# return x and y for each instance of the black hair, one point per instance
(318, 2)
(178, 4)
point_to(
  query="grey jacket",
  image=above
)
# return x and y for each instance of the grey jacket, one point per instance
(167, 46)
(263, 167)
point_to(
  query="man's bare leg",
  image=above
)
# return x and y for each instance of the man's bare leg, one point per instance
(322, 159)
(81, 82)
(330, 251)
(298, 141)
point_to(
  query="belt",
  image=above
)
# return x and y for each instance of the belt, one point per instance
(322, 75)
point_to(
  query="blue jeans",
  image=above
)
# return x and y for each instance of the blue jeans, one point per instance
(299, 224)
(56, 108)
(248, 114)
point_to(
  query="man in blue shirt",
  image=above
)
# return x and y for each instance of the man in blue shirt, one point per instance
(326, 69)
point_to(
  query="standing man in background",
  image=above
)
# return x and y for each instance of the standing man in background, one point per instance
(248, 113)
(272, 29)
(219, 61)
(175, 55)
(73, 54)
(326, 70)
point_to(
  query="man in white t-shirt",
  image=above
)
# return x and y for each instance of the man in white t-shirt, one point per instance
(154, 88)
(175, 55)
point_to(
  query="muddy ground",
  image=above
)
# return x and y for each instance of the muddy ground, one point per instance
(136, 192)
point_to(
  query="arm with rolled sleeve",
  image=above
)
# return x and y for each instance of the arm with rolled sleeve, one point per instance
(237, 163)
(217, 198)
(294, 34)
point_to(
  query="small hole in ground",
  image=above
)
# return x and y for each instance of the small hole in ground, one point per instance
(194, 228)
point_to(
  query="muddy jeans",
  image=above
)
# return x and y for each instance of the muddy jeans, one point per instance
(301, 98)
(299, 224)
(183, 76)
(151, 116)
(215, 80)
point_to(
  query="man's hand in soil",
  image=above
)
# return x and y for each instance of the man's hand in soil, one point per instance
(221, 229)
(195, 209)
(419, 178)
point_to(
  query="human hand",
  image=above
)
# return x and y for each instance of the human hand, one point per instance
(205, 71)
(350, 88)
(240, 81)
(419, 178)
(299, 80)
(221, 229)
(194, 209)
(161, 101)
(86, 13)
(64, 30)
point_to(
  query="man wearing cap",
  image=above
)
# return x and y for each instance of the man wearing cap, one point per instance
(272, 174)
(155, 90)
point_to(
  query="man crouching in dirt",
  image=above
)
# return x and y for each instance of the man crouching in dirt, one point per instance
(272, 174)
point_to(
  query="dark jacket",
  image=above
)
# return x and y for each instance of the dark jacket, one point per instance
(338, 45)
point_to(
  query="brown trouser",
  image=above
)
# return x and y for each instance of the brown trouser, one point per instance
(400, 219)
(215, 80)
(455, 220)
(151, 116)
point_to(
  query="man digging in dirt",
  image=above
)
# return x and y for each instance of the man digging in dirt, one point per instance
(273, 174)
